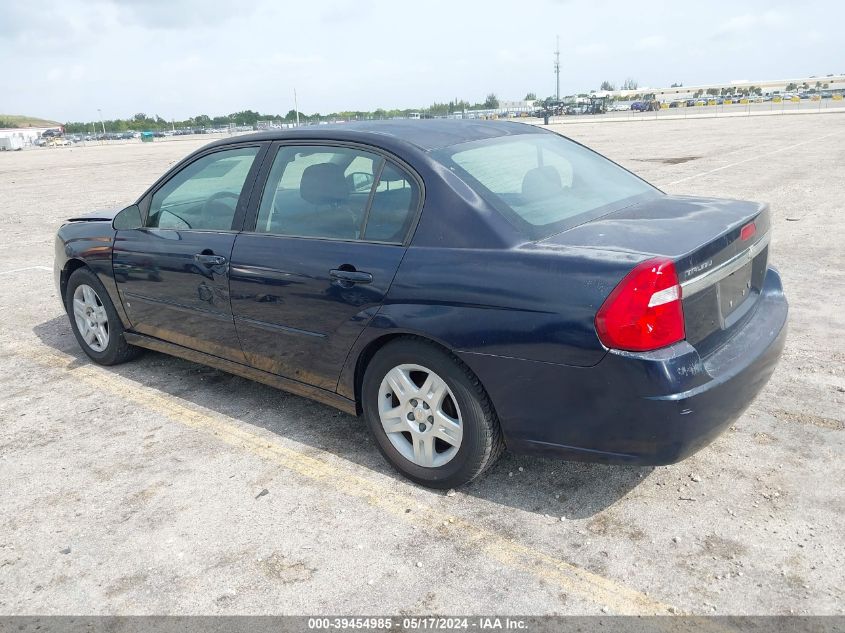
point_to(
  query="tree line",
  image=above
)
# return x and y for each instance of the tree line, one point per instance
(250, 118)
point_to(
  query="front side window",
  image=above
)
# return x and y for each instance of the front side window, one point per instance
(204, 195)
(336, 193)
(543, 183)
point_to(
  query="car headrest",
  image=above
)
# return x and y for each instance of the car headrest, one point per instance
(324, 184)
(541, 182)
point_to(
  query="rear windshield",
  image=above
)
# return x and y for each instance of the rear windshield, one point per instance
(544, 183)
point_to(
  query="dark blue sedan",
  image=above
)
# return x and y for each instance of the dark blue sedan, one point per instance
(465, 286)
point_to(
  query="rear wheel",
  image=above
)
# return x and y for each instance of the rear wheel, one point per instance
(429, 414)
(94, 320)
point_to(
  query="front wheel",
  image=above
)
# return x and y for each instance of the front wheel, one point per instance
(94, 320)
(429, 414)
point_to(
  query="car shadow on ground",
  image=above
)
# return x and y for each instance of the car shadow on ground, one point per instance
(538, 485)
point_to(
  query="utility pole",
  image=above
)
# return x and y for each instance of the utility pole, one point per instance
(296, 107)
(100, 112)
(557, 69)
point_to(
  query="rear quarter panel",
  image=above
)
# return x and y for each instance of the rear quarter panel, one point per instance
(532, 302)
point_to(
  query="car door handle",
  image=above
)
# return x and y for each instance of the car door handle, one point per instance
(211, 260)
(351, 276)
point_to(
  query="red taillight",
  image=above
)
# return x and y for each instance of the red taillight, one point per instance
(644, 311)
(748, 231)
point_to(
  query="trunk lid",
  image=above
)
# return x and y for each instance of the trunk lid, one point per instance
(721, 269)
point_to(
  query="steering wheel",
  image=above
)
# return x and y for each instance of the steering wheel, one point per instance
(217, 197)
(175, 215)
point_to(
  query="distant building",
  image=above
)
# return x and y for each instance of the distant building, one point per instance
(516, 106)
(505, 108)
(18, 137)
(830, 83)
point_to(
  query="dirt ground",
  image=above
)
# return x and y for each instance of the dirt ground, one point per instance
(138, 489)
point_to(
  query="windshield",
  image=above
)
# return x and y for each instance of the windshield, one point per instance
(544, 183)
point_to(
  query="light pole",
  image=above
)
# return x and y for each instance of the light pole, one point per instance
(557, 68)
(100, 112)
(296, 107)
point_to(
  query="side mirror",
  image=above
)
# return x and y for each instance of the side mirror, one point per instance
(359, 181)
(128, 219)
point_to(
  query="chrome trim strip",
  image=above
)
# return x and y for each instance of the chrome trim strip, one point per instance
(697, 284)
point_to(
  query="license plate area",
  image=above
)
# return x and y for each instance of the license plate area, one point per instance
(733, 291)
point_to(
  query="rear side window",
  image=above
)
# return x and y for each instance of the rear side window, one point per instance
(336, 193)
(544, 183)
(393, 202)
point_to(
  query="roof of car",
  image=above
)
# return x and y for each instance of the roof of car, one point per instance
(425, 134)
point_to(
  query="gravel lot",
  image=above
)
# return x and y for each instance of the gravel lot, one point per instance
(138, 489)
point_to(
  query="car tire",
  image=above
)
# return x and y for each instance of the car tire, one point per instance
(97, 315)
(441, 464)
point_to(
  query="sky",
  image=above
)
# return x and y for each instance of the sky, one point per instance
(65, 59)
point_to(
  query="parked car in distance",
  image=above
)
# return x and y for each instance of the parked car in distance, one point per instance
(645, 106)
(465, 286)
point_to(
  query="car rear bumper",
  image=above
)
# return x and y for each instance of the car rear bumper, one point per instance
(646, 408)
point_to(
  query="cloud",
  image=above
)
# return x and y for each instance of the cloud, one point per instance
(521, 56)
(189, 62)
(13, 19)
(748, 23)
(180, 14)
(650, 43)
(74, 72)
(292, 59)
(592, 49)
(27, 25)
(814, 37)
(345, 12)
(180, 57)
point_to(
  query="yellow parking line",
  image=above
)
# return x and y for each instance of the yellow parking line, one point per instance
(572, 579)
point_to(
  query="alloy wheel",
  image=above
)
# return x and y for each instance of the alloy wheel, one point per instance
(91, 317)
(420, 415)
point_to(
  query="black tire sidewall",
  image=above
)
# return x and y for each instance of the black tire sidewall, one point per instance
(109, 355)
(468, 461)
